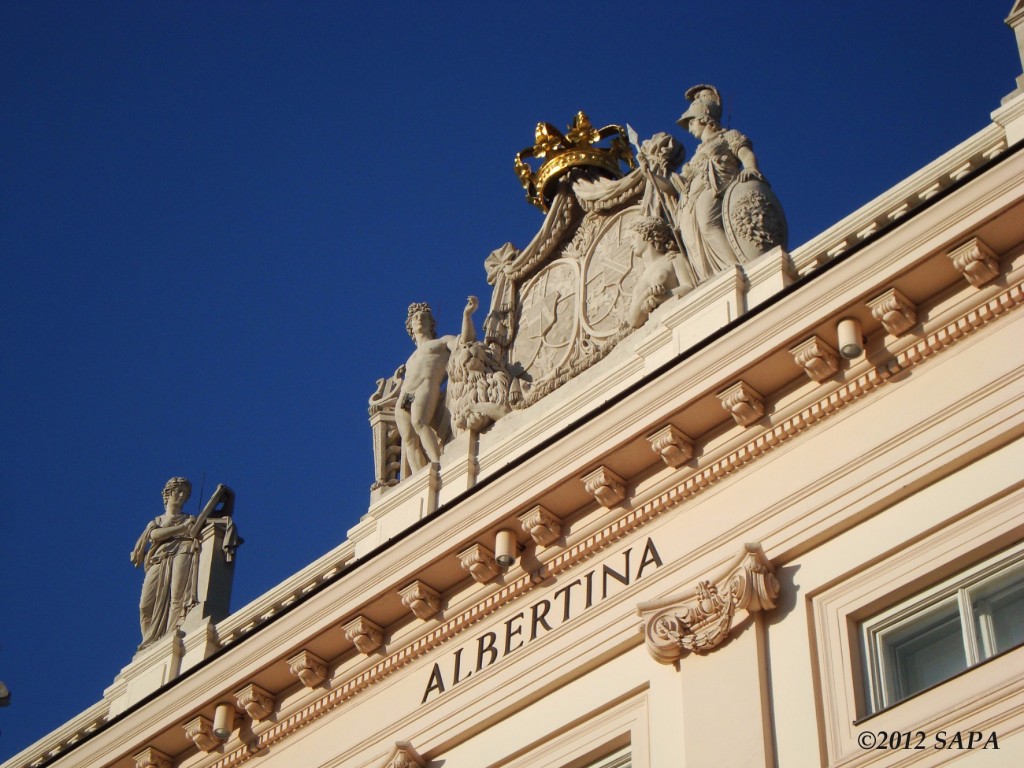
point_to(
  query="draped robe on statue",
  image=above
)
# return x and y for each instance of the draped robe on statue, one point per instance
(169, 588)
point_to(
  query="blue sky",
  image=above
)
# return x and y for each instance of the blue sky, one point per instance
(214, 215)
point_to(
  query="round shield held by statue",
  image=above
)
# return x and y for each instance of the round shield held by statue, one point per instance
(753, 219)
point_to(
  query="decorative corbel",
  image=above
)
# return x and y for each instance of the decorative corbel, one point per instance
(404, 756)
(152, 758)
(672, 444)
(542, 526)
(200, 732)
(480, 563)
(894, 311)
(744, 403)
(309, 668)
(605, 486)
(700, 620)
(422, 600)
(978, 263)
(818, 359)
(257, 702)
(364, 634)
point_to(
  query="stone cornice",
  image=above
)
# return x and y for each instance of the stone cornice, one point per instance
(901, 199)
(907, 352)
(822, 407)
(762, 590)
(826, 404)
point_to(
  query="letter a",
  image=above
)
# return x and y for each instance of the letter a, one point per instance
(436, 683)
(650, 556)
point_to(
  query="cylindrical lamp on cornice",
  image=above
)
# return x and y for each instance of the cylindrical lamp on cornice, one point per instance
(223, 721)
(505, 548)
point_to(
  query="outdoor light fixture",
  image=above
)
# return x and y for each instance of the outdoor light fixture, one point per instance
(505, 548)
(223, 721)
(851, 338)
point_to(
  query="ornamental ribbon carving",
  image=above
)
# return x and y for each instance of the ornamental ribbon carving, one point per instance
(405, 756)
(700, 620)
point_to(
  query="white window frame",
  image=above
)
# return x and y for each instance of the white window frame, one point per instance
(882, 687)
(990, 690)
(621, 758)
(615, 738)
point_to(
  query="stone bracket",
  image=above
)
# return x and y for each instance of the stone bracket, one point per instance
(364, 634)
(672, 445)
(700, 620)
(542, 526)
(309, 668)
(894, 311)
(423, 600)
(257, 702)
(819, 360)
(200, 732)
(480, 563)
(978, 263)
(744, 403)
(152, 758)
(404, 756)
(605, 486)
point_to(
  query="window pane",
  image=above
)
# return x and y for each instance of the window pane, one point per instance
(944, 630)
(620, 759)
(923, 652)
(999, 614)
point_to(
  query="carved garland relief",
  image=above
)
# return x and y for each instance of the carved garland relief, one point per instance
(700, 620)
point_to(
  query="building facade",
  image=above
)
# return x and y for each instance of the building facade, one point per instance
(760, 513)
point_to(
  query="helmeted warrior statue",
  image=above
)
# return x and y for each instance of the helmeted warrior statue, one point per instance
(727, 212)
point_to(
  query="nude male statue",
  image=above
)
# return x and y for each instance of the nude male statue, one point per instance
(419, 397)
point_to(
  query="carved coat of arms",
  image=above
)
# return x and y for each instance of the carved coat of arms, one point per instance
(627, 227)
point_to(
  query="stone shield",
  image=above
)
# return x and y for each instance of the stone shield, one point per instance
(753, 219)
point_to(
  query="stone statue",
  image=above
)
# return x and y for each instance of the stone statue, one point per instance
(658, 158)
(423, 421)
(168, 549)
(664, 271)
(387, 443)
(719, 227)
(479, 387)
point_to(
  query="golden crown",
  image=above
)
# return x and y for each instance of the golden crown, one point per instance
(573, 149)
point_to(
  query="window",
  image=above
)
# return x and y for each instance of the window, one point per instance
(620, 759)
(943, 631)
